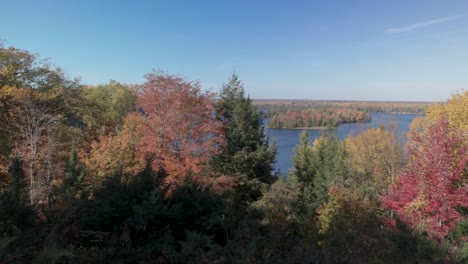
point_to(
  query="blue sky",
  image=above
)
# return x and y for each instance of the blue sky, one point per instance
(343, 50)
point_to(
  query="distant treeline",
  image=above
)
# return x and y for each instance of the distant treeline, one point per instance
(369, 107)
(311, 117)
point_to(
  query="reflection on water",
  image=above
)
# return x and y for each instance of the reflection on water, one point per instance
(287, 139)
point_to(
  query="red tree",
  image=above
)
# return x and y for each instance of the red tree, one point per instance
(182, 132)
(434, 184)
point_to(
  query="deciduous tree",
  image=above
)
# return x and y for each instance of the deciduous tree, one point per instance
(106, 107)
(430, 192)
(32, 117)
(175, 130)
(374, 159)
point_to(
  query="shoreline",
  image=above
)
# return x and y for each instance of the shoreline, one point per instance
(304, 128)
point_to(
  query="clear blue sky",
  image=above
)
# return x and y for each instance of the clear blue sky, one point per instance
(346, 50)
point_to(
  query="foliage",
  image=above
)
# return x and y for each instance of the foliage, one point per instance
(15, 213)
(374, 158)
(165, 173)
(429, 192)
(199, 248)
(303, 168)
(279, 206)
(175, 130)
(20, 68)
(282, 105)
(311, 117)
(181, 133)
(107, 107)
(50, 252)
(247, 153)
(330, 168)
(456, 111)
(120, 153)
(343, 209)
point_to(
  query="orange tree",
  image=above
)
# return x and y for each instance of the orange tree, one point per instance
(175, 130)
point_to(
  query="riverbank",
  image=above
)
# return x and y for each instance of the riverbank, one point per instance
(303, 128)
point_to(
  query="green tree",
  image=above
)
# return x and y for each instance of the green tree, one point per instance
(318, 167)
(329, 163)
(14, 210)
(19, 68)
(303, 168)
(248, 154)
(106, 107)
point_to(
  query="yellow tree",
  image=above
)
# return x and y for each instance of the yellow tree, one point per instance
(115, 153)
(374, 158)
(456, 111)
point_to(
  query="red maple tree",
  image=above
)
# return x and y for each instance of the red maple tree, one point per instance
(434, 184)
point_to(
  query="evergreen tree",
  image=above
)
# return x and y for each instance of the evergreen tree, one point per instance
(329, 165)
(248, 154)
(302, 160)
(15, 213)
(318, 167)
(73, 174)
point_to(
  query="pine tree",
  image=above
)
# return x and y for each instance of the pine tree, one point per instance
(302, 160)
(14, 209)
(329, 166)
(318, 167)
(248, 154)
(73, 174)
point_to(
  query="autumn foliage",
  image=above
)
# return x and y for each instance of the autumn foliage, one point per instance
(164, 172)
(182, 133)
(175, 130)
(310, 117)
(430, 192)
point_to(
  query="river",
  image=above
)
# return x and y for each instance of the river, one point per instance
(288, 139)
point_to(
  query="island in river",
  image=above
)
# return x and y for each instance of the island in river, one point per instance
(308, 118)
(317, 114)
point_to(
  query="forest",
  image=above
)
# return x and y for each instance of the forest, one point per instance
(167, 172)
(314, 118)
(267, 105)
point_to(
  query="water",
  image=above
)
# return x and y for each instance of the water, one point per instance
(288, 139)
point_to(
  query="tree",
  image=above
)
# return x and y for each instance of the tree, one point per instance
(14, 210)
(19, 68)
(32, 118)
(303, 156)
(456, 111)
(117, 153)
(106, 107)
(318, 167)
(247, 154)
(32, 95)
(175, 130)
(329, 168)
(431, 191)
(182, 133)
(374, 159)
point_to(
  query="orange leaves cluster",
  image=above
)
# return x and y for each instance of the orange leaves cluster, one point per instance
(118, 153)
(182, 132)
(175, 129)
